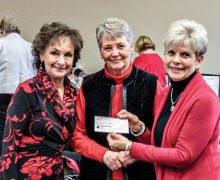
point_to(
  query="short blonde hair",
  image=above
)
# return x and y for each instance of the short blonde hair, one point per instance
(189, 33)
(115, 28)
(143, 43)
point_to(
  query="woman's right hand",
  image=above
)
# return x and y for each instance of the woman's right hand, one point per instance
(117, 142)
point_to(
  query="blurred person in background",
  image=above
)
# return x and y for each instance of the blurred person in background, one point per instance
(16, 64)
(148, 60)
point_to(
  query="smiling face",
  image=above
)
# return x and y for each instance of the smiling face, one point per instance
(116, 53)
(58, 58)
(181, 62)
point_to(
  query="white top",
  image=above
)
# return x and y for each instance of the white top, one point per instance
(16, 62)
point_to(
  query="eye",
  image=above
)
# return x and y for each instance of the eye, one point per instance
(170, 53)
(121, 46)
(185, 55)
(108, 48)
(54, 53)
(68, 55)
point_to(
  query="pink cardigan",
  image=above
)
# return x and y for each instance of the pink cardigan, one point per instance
(190, 146)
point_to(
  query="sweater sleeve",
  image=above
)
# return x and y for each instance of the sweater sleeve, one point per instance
(200, 123)
(80, 141)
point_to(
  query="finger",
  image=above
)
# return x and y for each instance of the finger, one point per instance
(122, 114)
(118, 164)
(125, 164)
(109, 137)
(113, 149)
(113, 168)
(113, 135)
(123, 161)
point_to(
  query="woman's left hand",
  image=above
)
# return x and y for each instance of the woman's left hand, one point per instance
(117, 142)
(125, 159)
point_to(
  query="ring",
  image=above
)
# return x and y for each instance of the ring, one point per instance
(120, 116)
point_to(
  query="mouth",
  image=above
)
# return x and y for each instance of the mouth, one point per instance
(60, 68)
(115, 60)
(176, 69)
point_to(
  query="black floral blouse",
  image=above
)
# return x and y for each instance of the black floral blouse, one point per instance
(38, 126)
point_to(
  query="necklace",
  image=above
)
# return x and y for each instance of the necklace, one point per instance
(171, 99)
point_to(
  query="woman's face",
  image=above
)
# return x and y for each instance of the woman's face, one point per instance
(58, 58)
(181, 62)
(116, 53)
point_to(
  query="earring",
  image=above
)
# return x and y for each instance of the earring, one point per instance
(41, 64)
(71, 72)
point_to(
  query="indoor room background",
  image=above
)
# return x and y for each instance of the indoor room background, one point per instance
(146, 17)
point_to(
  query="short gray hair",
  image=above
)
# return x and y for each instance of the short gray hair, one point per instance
(10, 24)
(189, 33)
(115, 28)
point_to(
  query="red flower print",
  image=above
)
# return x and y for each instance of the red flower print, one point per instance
(37, 166)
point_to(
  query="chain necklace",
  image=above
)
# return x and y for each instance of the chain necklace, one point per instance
(171, 99)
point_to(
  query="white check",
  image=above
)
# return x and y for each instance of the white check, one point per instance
(109, 124)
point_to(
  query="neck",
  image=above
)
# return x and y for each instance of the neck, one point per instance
(180, 85)
(60, 87)
(118, 79)
(147, 51)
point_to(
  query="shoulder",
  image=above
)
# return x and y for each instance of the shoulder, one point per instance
(27, 85)
(1, 42)
(206, 93)
(25, 42)
(91, 77)
(145, 79)
(199, 92)
(199, 83)
(143, 74)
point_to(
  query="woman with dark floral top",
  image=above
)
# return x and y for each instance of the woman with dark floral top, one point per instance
(41, 114)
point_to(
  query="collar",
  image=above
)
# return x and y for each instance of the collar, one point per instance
(118, 79)
(13, 35)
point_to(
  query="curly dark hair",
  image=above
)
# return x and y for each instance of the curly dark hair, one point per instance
(51, 32)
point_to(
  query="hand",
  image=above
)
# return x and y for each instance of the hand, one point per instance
(134, 123)
(125, 159)
(111, 160)
(117, 142)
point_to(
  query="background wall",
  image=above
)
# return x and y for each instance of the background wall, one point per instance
(146, 17)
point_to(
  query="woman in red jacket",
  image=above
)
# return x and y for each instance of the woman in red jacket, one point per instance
(185, 134)
(148, 60)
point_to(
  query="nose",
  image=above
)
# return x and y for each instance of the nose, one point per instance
(61, 59)
(176, 58)
(115, 52)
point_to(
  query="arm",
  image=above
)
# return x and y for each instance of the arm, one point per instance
(88, 147)
(16, 121)
(135, 124)
(192, 139)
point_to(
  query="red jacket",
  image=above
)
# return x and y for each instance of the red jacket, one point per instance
(190, 146)
(152, 63)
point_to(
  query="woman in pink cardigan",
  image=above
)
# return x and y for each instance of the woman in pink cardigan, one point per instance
(185, 134)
